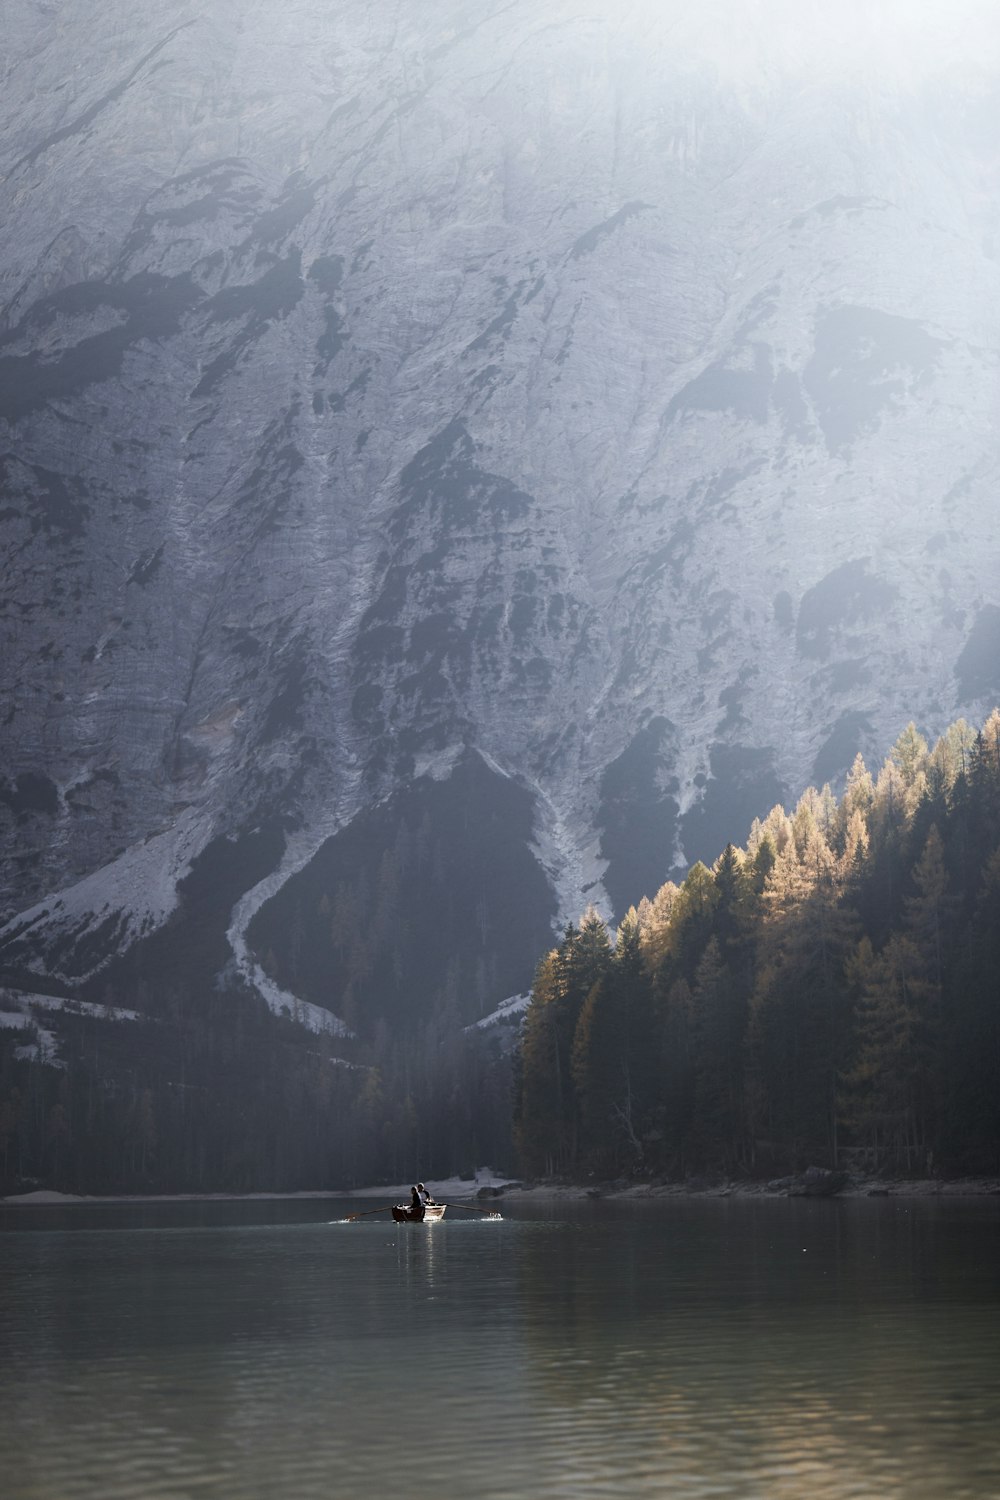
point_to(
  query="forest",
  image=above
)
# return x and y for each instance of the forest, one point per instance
(206, 1091)
(829, 994)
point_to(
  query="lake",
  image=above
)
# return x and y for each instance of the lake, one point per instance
(742, 1348)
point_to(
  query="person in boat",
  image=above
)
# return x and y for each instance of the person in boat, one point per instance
(416, 1202)
(425, 1198)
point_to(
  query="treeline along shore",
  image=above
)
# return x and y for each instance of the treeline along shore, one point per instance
(829, 994)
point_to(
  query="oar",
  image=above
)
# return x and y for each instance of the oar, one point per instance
(468, 1209)
(367, 1214)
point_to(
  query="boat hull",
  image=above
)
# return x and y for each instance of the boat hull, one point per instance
(429, 1215)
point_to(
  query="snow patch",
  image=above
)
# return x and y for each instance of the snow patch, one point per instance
(138, 891)
(282, 1002)
(492, 764)
(443, 1189)
(44, 1050)
(27, 1000)
(437, 765)
(510, 1009)
(42, 1196)
(575, 869)
(13, 1020)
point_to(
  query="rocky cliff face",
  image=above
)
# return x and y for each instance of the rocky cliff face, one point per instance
(534, 401)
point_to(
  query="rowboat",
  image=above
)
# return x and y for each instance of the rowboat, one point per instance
(403, 1214)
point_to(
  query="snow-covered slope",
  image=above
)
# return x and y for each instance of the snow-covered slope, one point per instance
(608, 392)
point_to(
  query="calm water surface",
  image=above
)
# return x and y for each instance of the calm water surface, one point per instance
(726, 1348)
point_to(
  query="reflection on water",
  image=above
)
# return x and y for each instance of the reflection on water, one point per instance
(782, 1349)
(771, 1349)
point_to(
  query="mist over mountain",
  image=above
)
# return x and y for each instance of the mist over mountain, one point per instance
(464, 461)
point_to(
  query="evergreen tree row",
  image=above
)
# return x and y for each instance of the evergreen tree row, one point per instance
(829, 994)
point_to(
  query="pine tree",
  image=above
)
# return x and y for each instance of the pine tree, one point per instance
(798, 1025)
(677, 1075)
(718, 1026)
(886, 1079)
(543, 1084)
(950, 756)
(690, 924)
(655, 924)
(612, 1058)
(909, 753)
(928, 912)
(971, 1117)
(547, 1128)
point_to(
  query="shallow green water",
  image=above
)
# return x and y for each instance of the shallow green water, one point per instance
(729, 1348)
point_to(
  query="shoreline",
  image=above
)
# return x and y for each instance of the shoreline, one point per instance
(454, 1187)
(509, 1190)
(959, 1187)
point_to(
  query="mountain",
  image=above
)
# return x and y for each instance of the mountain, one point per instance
(462, 462)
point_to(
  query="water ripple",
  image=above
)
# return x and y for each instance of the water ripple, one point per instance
(686, 1352)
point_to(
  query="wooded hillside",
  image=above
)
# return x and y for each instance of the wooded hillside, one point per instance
(828, 994)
